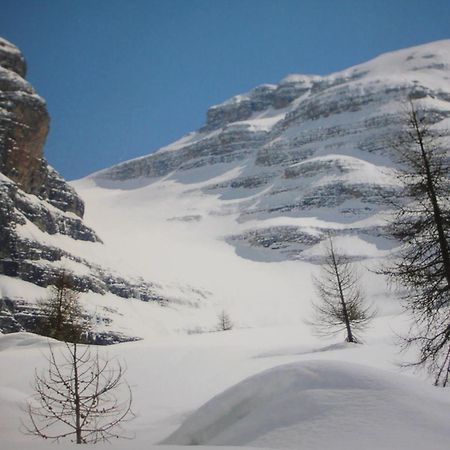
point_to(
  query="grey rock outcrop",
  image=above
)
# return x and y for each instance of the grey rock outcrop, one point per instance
(240, 107)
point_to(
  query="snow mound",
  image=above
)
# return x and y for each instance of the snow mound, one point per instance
(321, 405)
(22, 339)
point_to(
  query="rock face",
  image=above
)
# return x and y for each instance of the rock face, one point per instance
(30, 190)
(37, 204)
(312, 148)
(11, 58)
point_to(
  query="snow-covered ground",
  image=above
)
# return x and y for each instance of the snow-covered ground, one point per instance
(318, 395)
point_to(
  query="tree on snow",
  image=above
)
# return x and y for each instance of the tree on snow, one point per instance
(224, 322)
(62, 314)
(80, 396)
(340, 306)
(422, 225)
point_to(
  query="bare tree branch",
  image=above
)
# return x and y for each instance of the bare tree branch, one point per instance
(78, 397)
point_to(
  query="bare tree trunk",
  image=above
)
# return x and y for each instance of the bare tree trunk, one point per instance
(341, 294)
(59, 312)
(437, 213)
(77, 396)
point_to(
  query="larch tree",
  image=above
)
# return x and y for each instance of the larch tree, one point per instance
(224, 322)
(341, 304)
(421, 223)
(80, 397)
(62, 315)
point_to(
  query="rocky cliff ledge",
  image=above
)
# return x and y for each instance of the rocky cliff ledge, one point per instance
(30, 190)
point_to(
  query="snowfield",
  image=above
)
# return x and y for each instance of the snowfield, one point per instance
(258, 388)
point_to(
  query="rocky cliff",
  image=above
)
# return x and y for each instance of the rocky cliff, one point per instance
(41, 215)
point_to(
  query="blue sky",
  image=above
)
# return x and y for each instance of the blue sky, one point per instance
(122, 78)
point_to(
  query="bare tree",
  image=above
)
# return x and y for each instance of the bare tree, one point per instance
(340, 306)
(78, 397)
(62, 314)
(422, 225)
(225, 323)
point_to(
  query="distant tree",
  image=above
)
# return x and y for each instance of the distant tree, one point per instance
(79, 397)
(340, 306)
(422, 225)
(225, 323)
(62, 314)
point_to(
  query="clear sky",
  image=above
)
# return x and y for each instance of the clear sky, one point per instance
(122, 78)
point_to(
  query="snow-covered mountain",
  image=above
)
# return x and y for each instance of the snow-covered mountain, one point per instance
(232, 218)
(292, 160)
(240, 207)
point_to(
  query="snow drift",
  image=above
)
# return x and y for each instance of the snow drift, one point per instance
(320, 405)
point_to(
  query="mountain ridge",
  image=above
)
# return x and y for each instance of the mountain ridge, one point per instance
(311, 146)
(358, 70)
